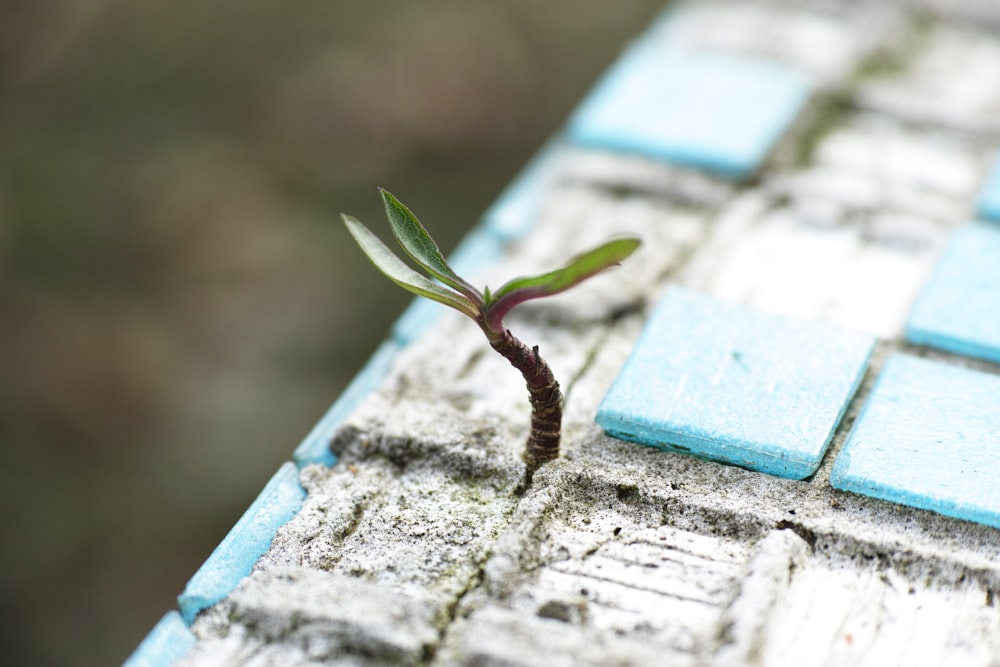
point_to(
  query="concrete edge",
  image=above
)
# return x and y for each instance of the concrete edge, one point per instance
(168, 641)
(240, 549)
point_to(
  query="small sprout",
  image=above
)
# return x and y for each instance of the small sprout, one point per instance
(487, 309)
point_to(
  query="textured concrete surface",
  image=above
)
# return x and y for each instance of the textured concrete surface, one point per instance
(421, 545)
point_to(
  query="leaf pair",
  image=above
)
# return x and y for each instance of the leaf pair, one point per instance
(490, 309)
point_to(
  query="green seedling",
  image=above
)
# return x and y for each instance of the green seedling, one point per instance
(487, 309)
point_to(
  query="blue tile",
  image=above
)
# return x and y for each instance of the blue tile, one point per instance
(730, 383)
(515, 212)
(316, 446)
(246, 542)
(959, 308)
(167, 642)
(989, 196)
(711, 111)
(480, 248)
(928, 437)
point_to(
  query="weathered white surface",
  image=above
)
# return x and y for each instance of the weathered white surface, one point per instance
(827, 45)
(951, 79)
(632, 173)
(873, 164)
(782, 262)
(296, 615)
(617, 554)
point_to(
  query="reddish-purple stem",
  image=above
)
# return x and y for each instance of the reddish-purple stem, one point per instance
(543, 390)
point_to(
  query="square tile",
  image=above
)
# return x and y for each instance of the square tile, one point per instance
(959, 308)
(734, 384)
(989, 197)
(711, 111)
(928, 437)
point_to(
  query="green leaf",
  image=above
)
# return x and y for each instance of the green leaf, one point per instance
(577, 270)
(419, 245)
(401, 274)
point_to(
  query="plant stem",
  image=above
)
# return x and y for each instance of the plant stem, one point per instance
(546, 398)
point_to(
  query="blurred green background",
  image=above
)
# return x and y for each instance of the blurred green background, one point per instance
(178, 300)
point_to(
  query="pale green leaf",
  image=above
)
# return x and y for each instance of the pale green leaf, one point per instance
(419, 245)
(576, 271)
(401, 274)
